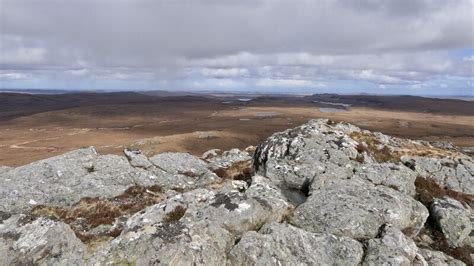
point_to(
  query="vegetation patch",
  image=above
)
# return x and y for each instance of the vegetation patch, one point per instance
(175, 214)
(238, 171)
(372, 145)
(188, 173)
(89, 213)
(427, 190)
(439, 243)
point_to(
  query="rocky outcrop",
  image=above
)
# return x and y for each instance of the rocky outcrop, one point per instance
(26, 240)
(453, 219)
(65, 179)
(358, 209)
(322, 193)
(281, 244)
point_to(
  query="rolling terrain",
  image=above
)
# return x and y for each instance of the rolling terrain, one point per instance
(37, 126)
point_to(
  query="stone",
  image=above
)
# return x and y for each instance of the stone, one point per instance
(356, 208)
(28, 240)
(452, 173)
(225, 159)
(283, 244)
(137, 159)
(392, 247)
(453, 219)
(199, 226)
(433, 257)
(398, 177)
(179, 163)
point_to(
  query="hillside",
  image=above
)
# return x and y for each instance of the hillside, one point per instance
(321, 193)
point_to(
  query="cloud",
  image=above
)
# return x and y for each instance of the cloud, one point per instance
(182, 42)
(288, 83)
(224, 72)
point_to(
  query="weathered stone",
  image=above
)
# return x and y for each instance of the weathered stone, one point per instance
(316, 152)
(398, 177)
(226, 158)
(392, 247)
(452, 173)
(357, 209)
(180, 163)
(65, 179)
(281, 244)
(438, 258)
(39, 241)
(271, 197)
(453, 219)
(137, 159)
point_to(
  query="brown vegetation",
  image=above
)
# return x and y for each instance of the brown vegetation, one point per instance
(370, 144)
(427, 189)
(238, 171)
(89, 213)
(175, 214)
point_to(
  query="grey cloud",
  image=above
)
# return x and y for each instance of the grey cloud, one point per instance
(391, 40)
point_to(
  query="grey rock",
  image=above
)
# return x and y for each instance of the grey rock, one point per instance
(445, 145)
(438, 258)
(4, 169)
(211, 154)
(271, 197)
(391, 248)
(137, 159)
(282, 244)
(153, 236)
(293, 158)
(316, 152)
(178, 163)
(357, 208)
(203, 232)
(395, 176)
(453, 173)
(453, 219)
(226, 159)
(65, 179)
(40, 241)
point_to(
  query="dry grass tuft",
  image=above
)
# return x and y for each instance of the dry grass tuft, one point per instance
(427, 190)
(370, 144)
(175, 214)
(89, 213)
(238, 171)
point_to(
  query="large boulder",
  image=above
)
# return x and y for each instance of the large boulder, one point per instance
(218, 159)
(455, 173)
(65, 179)
(199, 226)
(356, 208)
(26, 240)
(392, 247)
(319, 150)
(282, 244)
(433, 257)
(453, 219)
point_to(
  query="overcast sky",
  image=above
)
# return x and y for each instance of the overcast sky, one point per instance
(373, 46)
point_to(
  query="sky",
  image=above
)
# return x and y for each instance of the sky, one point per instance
(420, 47)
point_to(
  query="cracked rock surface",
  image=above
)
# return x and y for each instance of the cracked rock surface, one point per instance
(323, 193)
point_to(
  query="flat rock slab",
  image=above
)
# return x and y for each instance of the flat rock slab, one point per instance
(357, 209)
(283, 244)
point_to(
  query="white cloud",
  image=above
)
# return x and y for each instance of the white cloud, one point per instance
(288, 83)
(224, 72)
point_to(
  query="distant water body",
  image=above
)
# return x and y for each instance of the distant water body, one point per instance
(331, 110)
